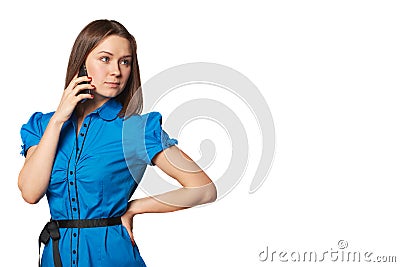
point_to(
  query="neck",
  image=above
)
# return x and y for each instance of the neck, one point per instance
(83, 109)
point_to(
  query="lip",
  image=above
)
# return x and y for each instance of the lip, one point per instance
(112, 84)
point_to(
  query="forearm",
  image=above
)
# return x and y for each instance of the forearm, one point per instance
(35, 175)
(174, 200)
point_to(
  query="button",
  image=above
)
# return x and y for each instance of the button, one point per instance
(74, 209)
(85, 125)
(74, 234)
(73, 199)
(71, 172)
(73, 261)
(74, 251)
(71, 183)
(82, 134)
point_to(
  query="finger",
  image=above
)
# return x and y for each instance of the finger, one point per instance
(80, 97)
(130, 233)
(82, 87)
(132, 239)
(76, 81)
(81, 79)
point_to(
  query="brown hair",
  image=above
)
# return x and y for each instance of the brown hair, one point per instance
(95, 32)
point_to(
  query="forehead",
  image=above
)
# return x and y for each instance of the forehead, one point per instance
(114, 44)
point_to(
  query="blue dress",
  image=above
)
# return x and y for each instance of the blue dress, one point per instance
(93, 177)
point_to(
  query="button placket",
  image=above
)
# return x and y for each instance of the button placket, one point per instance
(74, 211)
(73, 191)
(81, 135)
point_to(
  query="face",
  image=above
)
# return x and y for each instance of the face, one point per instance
(109, 66)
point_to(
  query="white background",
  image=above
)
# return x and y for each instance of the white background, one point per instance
(329, 71)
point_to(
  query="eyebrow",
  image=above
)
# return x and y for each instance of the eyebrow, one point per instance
(111, 54)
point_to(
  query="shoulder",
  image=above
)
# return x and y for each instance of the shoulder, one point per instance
(153, 115)
(40, 118)
(149, 124)
(145, 119)
(47, 116)
(152, 121)
(32, 131)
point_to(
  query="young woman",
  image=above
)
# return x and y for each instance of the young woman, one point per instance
(75, 157)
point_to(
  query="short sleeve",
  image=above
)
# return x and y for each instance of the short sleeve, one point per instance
(31, 132)
(156, 139)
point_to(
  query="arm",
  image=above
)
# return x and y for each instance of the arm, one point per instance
(34, 176)
(197, 187)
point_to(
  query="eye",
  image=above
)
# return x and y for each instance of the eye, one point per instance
(125, 62)
(105, 59)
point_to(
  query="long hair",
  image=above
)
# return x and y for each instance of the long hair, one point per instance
(94, 33)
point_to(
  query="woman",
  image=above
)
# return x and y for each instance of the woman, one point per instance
(75, 157)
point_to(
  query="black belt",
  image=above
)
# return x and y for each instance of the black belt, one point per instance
(51, 230)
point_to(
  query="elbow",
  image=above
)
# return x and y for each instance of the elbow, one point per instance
(30, 199)
(210, 194)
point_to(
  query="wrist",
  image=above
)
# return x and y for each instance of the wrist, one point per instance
(56, 121)
(132, 209)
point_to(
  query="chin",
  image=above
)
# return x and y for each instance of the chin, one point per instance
(108, 94)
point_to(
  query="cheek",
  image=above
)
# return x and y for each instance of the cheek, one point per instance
(97, 73)
(126, 73)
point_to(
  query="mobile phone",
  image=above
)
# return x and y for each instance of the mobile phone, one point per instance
(83, 72)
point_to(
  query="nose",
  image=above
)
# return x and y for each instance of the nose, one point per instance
(115, 69)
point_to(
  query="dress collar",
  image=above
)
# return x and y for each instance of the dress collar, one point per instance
(109, 110)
